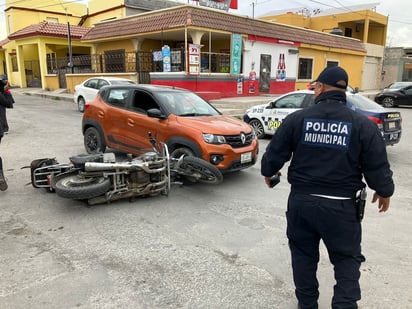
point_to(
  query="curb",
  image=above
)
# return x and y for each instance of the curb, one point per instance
(51, 96)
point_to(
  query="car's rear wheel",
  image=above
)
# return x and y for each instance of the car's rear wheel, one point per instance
(388, 102)
(93, 141)
(80, 104)
(258, 127)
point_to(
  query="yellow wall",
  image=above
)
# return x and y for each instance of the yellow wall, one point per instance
(2, 60)
(74, 79)
(354, 20)
(42, 10)
(127, 45)
(96, 6)
(352, 62)
(289, 19)
(99, 11)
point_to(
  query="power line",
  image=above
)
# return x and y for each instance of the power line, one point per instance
(58, 3)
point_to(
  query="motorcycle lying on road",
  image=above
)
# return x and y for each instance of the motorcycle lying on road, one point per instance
(98, 178)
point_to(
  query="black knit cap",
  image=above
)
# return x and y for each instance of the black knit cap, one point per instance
(333, 76)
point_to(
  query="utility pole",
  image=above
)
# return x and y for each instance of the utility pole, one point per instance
(69, 42)
(253, 9)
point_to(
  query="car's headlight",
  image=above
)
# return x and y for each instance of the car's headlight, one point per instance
(214, 139)
(253, 134)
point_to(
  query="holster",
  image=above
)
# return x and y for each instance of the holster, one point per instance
(360, 202)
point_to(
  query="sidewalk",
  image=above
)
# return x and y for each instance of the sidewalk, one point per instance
(59, 94)
(234, 106)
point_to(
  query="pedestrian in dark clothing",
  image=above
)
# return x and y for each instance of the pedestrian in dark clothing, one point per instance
(332, 149)
(3, 183)
(8, 103)
(4, 103)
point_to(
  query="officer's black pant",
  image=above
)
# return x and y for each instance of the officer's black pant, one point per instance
(310, 219)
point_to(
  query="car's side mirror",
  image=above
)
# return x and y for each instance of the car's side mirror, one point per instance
(156, 113)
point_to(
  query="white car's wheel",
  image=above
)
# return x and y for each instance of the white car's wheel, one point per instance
(80, 104)
(258, 127)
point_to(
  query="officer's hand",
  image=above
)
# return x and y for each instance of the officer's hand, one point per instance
(383, 202)
(267, 179)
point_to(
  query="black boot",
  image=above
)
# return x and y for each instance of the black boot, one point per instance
(3, 183)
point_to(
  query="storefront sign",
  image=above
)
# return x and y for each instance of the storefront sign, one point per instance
(216, 4)
(166, 59)
(194, 58)
(236, 54)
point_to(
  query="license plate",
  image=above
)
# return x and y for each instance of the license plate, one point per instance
(391, 125)
(245, 157)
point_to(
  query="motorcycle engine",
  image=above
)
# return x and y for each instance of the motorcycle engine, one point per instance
(149, 156)
(137, 179)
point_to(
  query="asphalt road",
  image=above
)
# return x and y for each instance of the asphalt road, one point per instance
(201, 247)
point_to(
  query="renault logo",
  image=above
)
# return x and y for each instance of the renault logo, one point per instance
(243, 138)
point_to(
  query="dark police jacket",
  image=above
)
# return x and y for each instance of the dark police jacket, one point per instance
(332, 148)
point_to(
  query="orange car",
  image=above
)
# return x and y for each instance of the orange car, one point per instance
(121, 116)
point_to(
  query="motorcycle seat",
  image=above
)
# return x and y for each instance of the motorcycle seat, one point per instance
(81, 159)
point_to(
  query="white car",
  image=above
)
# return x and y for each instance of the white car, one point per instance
(87, 90)
(266, 118)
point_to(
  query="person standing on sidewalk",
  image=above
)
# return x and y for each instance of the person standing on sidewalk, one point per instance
(4, 103)
(7, 103)
(331, 148)
(3, 183)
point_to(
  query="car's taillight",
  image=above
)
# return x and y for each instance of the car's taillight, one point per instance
(376, 120)
(86, 105)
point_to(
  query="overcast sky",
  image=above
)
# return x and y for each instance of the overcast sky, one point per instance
(399, 12)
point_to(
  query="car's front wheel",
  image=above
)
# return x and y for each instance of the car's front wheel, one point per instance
(258, 127)
(80, 104)
(182, 151)
(388, 102)
(93, 141)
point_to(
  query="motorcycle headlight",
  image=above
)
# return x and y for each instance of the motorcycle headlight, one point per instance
(214, 139)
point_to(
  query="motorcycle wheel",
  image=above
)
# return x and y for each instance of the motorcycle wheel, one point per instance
(198, 170)
(82, 188)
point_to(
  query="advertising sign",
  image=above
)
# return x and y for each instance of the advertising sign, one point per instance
(236, 53)
(216, 4)
(194, 58)
(166, 58)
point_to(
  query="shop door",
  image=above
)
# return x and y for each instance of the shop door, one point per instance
(264, 76)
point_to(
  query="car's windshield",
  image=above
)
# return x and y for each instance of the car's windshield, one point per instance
(121, 82)
(185, 104)
(359, 101)
(399, 85)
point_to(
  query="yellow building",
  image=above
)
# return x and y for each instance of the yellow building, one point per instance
(38, 38)
(359, 22)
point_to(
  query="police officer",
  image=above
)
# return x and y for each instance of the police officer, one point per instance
(332, 148)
